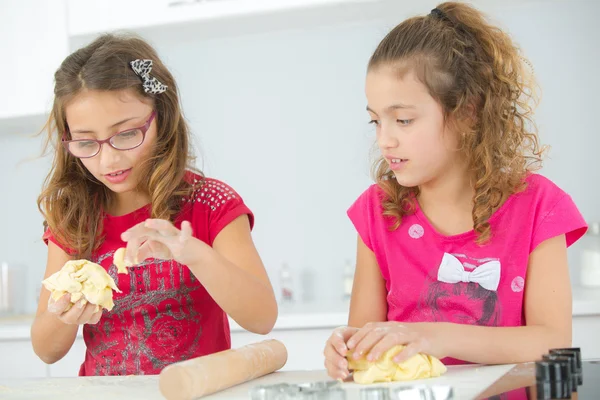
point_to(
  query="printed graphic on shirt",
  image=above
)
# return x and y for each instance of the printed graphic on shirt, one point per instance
(464, 292)
(153, 321)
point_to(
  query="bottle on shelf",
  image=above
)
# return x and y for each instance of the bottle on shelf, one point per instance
(348, 280)
(286, 284)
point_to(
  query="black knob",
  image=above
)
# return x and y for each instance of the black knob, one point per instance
(572, 367)
(553, 370)
(548, 390)
(570, 352)
(575, 353)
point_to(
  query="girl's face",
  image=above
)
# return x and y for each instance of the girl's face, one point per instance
(99, 115)
(410, 126)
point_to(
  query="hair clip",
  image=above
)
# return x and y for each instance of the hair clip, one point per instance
(143, 68)
(437, 13)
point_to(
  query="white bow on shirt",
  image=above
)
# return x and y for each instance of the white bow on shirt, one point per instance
(487, 275)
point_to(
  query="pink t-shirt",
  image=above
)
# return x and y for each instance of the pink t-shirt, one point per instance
(432, 277)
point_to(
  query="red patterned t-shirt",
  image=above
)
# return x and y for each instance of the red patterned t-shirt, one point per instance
(164, 314)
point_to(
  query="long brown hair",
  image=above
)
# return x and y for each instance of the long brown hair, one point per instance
(487, 93)
(72, 200)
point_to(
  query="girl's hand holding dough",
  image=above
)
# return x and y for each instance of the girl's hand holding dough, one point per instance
(80, 313)
(79, 292)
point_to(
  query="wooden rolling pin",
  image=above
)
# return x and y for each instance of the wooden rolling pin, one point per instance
(197, 377)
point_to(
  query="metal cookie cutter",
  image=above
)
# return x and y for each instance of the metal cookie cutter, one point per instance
(375, 393)
(422, 392)
(324, 390)
(317, 386)
(302, 391)
(269, 392)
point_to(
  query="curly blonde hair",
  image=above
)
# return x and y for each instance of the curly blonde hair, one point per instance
(72, 201)
(487, 93)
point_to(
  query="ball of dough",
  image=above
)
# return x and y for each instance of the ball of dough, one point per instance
(84, 280)
(419, 366)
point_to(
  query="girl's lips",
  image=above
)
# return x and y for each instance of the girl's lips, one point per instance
(396, 164)
(118, 176)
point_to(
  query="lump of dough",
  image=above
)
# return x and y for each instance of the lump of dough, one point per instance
(84, 280)
(419, 366)
(119, 261)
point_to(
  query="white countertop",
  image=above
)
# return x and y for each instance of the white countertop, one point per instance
(466, 381)
(586, 302)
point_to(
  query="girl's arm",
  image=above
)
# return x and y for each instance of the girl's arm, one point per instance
(233, 274)
(231, 270)
(368, 302)
(548, 312)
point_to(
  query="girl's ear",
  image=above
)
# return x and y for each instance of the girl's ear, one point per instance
(469, 115)
(466, 116)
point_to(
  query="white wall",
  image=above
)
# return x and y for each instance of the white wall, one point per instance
(22, 172)
(280, 116)
(560, 38)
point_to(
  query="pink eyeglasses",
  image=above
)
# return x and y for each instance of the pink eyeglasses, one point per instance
(126, 140)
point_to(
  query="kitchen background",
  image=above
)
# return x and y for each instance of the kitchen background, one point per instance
(273, 92)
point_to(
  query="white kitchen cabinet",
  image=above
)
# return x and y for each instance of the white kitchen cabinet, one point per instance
(34, 43)
(304, 346)
(19, 361)
(303, 335)
(90, 17)
(87, 18)
(585, 335)
(69, 365)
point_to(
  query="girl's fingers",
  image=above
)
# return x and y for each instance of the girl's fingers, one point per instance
(72, 314)
(367, 342)
(88, 311)
(409, 351)
(162, 226)
(387, 342)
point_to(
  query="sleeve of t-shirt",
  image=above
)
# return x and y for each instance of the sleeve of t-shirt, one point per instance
(49, 237)
(361, 213)
(558, 216)
(220, 204)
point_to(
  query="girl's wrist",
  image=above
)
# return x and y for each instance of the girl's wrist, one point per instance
(439, 337)
(442, 335)
(198, 253)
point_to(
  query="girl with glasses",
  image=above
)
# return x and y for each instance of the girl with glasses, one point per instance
(123, 176)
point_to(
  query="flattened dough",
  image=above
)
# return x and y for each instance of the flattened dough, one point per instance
(84, 280)
(419, 366)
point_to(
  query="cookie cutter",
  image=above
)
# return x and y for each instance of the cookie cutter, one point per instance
(423, 392)
(375, 393)
(301, 391)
